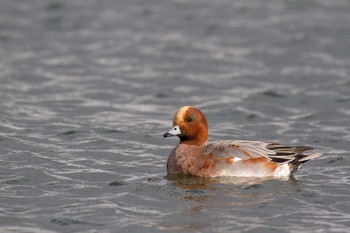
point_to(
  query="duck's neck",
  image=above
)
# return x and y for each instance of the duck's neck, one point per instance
(196, 141)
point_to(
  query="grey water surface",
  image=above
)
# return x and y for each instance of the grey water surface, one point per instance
(88, 87)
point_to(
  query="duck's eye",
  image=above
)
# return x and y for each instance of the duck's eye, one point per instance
(189, 119)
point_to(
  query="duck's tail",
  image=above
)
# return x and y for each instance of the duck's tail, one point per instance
(295, 164)
(295, 156)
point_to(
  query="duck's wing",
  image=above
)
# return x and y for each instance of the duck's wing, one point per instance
(254, 149)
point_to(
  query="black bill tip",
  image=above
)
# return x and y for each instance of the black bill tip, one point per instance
(167, 134)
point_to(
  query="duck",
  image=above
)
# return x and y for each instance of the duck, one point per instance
(228, 158)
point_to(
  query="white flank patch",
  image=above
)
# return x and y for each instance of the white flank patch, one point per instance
(282, 171)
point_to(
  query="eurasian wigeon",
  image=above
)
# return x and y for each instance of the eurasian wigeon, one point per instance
(194, 156)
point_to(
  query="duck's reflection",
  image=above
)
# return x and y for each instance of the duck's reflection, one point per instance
(210, 199)
(233, 191)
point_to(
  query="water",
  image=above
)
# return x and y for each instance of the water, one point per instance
(88, 87)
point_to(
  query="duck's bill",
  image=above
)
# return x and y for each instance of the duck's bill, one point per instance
(175, 131)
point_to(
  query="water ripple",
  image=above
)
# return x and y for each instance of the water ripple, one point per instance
(89, 87)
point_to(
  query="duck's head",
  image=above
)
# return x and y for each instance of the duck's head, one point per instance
(190, 126)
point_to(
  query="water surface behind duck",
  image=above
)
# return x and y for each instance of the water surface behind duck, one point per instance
(88, 88)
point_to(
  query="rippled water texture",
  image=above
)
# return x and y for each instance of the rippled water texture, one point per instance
(88, 87)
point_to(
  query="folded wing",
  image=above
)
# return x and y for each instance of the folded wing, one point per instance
(254, 149)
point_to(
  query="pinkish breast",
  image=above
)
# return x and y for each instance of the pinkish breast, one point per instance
(190, 160)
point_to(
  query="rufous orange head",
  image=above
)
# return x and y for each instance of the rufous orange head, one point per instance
(190, 126)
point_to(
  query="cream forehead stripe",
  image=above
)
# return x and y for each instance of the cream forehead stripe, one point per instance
(181, 112)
